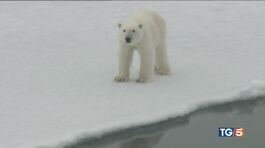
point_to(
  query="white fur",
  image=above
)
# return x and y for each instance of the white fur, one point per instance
(149, 38)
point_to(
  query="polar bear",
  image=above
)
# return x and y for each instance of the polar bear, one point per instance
(144, 31)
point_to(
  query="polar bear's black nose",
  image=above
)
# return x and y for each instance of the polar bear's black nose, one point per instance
(128, 40)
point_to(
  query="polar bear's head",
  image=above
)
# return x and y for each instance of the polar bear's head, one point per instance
(130, 33)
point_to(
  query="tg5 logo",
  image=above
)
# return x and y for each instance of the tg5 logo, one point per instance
(231, 132)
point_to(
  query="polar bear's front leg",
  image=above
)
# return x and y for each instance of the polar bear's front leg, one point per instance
(125, 59)
(147, 64)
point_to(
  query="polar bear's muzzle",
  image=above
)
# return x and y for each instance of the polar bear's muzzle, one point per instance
(128, 39)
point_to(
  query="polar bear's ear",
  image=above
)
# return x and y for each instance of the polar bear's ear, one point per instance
(140, 25)
(119, 25)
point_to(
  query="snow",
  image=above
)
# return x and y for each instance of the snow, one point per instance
(58, 59)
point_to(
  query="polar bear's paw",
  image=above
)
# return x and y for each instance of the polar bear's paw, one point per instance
(121, 79)
(140, 80)
(162, 71)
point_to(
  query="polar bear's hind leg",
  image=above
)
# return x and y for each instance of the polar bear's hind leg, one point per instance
(162, 65)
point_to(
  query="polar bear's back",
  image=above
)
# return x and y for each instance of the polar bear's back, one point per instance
(151, 21)
(147, 16)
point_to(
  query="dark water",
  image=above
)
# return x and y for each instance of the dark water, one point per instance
(197, 129)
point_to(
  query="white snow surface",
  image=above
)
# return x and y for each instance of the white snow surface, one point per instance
(58, 59)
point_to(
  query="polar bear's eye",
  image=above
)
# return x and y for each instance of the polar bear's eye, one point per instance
(124, 30)
(133, 30)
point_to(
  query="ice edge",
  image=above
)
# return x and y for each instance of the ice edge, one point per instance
(256, 89)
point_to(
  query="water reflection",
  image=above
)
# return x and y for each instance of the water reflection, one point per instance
(204, 124)
(153, 133)
(143, 142)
